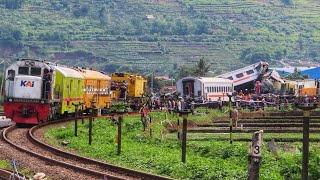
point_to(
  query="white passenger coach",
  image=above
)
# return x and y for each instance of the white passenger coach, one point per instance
(205, 88)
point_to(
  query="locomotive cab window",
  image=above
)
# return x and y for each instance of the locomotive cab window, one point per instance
(11, 74)
(230, 77)
(35, 71)
(23, 70)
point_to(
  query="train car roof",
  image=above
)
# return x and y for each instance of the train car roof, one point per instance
(215, 79)
(68, 72)
(91, 74)
(208, 79)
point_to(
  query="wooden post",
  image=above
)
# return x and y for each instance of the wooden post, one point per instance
(184, 113)
(82, 114)
(184, 139)
(90, 125)
(150, 126)
(91, 109)
(305, 151)
(306, 107)
(178, 128)
(119, 134)
(254, 156)
(76, 120)
(230, 117)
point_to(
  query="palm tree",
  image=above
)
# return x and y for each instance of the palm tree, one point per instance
(202, 68)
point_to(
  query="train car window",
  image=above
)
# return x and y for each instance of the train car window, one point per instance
(23, 70)
(239, 75)
(230, 77)
(35, 71)
(250, 72)
(119, 74)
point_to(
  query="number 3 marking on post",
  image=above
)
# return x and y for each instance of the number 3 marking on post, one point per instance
(256, 150)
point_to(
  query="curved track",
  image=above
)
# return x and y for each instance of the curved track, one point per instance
(24, 140)
(5, 175)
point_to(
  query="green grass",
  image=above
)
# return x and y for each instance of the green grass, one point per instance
(226, 136)
(4, 164)
(162, 155)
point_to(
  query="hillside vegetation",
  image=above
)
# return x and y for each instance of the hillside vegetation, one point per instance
(160, 35)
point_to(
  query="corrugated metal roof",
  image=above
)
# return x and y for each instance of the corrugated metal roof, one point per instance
(314, 73)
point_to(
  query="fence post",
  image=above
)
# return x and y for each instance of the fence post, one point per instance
(76, 119)
(305, 151)
(119, 134)
(230, 117)
(90, 125)
(150, 126)
(90, 121)
(82, 115)
(178, 128)
(306, 107)
(184, 114)
(254, 156)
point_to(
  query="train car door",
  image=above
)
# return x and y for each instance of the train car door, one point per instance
(188, 88)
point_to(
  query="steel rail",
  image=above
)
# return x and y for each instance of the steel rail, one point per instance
(109, 167)
(90, 172)
(127, 171)
(5, 175)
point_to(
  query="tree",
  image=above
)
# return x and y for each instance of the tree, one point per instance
(12, 4)
(10, 36)
(287, 2)
(202, 68)
(82, 11)
(184, 71)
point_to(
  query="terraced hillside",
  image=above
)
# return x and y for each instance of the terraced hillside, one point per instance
(160, 34)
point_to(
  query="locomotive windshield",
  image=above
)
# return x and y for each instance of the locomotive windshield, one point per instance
(35, 71)
(23, 70)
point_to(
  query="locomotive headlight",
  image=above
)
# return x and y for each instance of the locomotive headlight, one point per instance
(10, 100)
(42, 102)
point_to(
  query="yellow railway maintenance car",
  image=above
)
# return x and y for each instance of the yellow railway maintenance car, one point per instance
(136, 85)
(96, 88)
(128, 87)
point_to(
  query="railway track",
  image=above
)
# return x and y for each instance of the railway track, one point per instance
(270, 125)
(24, 140)
(5, 175)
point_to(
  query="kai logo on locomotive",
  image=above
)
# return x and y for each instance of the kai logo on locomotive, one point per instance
(27, 83)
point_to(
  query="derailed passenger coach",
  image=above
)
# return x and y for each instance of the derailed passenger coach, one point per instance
(205, 88)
